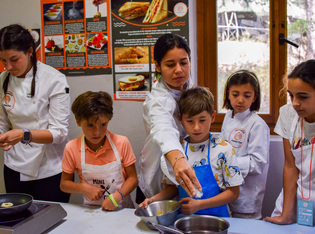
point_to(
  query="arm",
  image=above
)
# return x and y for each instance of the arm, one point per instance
(127, 187)
(166, 194)
(12, 137)
(67, 185)
(192, 206)
(184, 171)
(290, 177)
(257, 150)
(164, 129)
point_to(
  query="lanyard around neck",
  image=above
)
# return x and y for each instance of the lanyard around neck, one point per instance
(309, 185)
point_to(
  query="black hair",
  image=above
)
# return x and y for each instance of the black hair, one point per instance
(305, 71)
(238, 78)
(16, 37)
(167, 42)
(195, 100)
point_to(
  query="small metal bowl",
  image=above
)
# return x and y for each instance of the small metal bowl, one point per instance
(202, 224)
(160, 212)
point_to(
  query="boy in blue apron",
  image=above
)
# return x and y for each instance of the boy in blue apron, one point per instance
(213, 160)
(104, 161)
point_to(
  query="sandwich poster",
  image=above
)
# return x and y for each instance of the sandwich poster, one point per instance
(136, 26)
(75, 36)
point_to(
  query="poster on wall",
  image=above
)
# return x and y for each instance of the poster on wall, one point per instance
(136, 26)
(36, 35)
(75, 36)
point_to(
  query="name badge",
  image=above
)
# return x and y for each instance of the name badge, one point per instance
(305, 212)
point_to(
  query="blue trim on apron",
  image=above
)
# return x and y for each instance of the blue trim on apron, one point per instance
(210, 187)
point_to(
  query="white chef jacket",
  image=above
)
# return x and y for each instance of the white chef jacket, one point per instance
(48, 109)
(249, 135)
(164, 132)
(289, 127)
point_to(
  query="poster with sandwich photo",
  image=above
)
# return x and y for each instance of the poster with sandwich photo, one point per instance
(136, 25)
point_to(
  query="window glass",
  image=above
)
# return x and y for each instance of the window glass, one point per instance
(243, 43)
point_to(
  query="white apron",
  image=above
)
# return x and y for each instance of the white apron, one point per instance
(108, 176)
(305, 170)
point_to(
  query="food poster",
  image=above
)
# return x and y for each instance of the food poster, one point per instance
(76, 38)
(136, 25)
(36, 35)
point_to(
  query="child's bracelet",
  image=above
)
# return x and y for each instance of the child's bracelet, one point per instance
(111, 197)
(122, 196)
(177, 159)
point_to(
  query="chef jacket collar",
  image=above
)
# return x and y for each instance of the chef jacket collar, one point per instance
(242, 115)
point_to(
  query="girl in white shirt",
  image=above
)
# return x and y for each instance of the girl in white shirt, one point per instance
(296, 125)
(34, 118)
(249, 135)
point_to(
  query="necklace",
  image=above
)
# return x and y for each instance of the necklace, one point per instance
(99, 148)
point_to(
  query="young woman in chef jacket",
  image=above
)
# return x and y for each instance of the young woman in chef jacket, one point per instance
(249, 134)
(104, 161)
(160, 113)
(296, 125)
(34, 118)
(212, 158)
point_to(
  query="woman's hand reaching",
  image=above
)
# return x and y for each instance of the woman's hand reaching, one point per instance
(184, 173)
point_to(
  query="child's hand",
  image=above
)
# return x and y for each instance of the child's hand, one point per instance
(189, 205)
(92, 192)
(146, 202)
(108, 204)
(279, 220)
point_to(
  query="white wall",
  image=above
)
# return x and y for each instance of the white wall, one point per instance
(127, 119)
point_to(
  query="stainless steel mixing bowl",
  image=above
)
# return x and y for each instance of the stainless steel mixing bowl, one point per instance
(202, 224)
(160, 212)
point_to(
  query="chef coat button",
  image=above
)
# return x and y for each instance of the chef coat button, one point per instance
(34, 102)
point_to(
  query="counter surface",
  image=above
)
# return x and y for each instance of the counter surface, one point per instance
(89, 219)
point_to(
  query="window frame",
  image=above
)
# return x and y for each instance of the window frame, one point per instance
(207, 56)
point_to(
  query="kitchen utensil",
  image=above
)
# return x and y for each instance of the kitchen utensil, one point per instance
(20, 201)
(202, 224)
(160, 212)
(165, 229)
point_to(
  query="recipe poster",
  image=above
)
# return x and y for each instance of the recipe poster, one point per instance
(136, 26)
(75, 37)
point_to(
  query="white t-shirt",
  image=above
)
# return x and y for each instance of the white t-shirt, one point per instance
(223, 161)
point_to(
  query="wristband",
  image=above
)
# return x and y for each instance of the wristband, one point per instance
(111, 197)
(177, 159)
(122, 196)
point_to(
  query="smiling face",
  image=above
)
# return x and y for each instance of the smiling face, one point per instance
(16, 62)
(94, 131)
(175, 68)
(198, 126)
(241, 97)
(302, 96)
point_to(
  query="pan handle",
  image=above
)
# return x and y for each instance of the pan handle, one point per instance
(163, 229)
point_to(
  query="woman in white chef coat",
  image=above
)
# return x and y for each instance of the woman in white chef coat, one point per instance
(34, 118)
(160, 114)
(296, 125)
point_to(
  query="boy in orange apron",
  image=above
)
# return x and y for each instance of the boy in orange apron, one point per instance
(104, 161)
